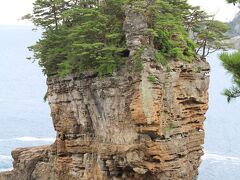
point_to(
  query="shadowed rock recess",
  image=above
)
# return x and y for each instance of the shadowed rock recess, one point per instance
(127, 126)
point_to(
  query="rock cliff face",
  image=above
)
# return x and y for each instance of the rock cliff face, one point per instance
(146, 125)
(234, 26)
(234, 32)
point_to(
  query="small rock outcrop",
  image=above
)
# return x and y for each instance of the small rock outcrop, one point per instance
(234, 33)
(146, 125)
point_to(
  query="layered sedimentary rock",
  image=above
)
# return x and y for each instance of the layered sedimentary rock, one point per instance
(146, 125)
(30, 163)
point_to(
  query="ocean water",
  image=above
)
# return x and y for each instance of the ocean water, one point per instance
(222, 127)
(25, 119)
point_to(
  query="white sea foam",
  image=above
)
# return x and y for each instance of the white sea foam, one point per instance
(8, 169)
(221, 158)
(31, 139)
(3, 157)
(5, 161)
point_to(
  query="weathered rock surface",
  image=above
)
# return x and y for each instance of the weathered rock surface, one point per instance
(127, 126)
(234, 33)
(30, 163)
(123, 127)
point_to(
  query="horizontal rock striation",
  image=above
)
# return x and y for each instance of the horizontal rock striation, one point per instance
(146, 125)
(128, 127)
(123, 127)
(29, 164)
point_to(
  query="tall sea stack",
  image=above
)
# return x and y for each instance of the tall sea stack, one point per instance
(144, 125)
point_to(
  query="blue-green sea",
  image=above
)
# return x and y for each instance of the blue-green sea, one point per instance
(24, 117)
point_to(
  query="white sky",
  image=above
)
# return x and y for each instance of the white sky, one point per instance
(12, 10)
(223, 11)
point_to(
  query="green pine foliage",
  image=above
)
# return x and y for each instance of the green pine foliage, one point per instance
(233, 1)
(87, 35)
(231, 62)
(168, 31)
(83, 37)
(211, 37)
(152, 78)
(137, 61)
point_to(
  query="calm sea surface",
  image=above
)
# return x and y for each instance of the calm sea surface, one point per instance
(25, 119)
(222, 128)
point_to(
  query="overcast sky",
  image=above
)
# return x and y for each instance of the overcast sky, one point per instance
(223, 11)
(12, 10)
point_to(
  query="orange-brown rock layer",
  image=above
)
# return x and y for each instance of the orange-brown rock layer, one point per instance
(123, 127)
(128, 127)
